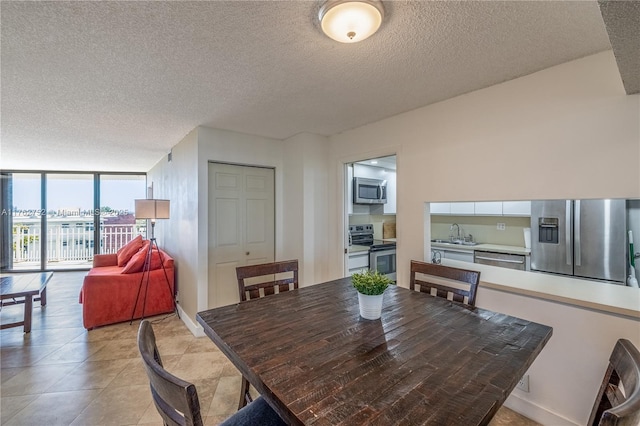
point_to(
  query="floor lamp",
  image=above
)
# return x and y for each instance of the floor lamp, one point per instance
(152, 209)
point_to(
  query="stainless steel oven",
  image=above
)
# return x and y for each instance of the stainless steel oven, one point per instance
(382, 258)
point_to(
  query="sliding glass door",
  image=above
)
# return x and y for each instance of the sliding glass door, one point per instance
(53, 220)
(70, 221)
(22, 222)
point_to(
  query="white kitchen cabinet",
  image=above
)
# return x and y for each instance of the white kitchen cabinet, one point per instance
(488, 208)
(516, 208)
(358, 261)
(390, 206)
(462, 255)
(462, 208)
(440, 208)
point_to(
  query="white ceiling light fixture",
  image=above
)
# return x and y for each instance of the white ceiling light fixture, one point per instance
(351, 21)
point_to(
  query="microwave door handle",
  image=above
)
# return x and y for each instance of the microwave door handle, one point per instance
(381, 186)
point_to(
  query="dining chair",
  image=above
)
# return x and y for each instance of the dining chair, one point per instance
(461, 284)
(268, 277)
(618, 400)
(177, 400)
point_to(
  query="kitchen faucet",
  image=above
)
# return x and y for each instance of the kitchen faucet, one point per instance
(457, 231)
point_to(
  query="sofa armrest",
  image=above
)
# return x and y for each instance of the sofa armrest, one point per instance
(105, 260)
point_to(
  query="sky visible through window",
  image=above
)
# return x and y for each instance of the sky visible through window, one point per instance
(117, 193)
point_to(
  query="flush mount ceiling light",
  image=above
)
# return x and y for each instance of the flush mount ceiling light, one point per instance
(350, 21)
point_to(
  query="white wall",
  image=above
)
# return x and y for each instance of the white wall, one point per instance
(565, 132)
(566, 376)
(301, 201)
(307, 205)
(177, 181)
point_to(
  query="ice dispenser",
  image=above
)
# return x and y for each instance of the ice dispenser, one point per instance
(548, 230)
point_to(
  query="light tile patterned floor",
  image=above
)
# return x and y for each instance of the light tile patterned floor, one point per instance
(62, 374)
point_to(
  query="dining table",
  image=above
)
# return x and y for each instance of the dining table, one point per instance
(426, 361)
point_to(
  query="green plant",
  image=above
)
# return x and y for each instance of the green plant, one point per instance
(371, 283)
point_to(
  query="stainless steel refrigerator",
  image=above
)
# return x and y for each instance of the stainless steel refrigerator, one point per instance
(582, 238)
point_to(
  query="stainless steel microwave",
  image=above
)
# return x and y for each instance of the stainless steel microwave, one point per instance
(369, 191)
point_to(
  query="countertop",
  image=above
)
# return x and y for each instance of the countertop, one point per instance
(616, 299)
(357, 249)
(496, 248)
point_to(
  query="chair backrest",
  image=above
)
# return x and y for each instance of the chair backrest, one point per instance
(446, 280)
(176, 400)
(618, 400)
(268, 282)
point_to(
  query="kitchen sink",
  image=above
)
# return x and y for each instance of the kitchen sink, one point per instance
(455, 242)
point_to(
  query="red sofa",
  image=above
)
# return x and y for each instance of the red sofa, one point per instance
(108, 295)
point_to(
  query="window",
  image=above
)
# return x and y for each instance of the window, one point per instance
(51, 220)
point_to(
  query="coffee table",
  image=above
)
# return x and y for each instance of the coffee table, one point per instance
(22, 287)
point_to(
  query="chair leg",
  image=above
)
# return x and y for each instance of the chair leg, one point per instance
(245, 396)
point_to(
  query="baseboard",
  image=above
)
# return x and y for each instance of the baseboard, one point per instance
(535, 412)
(194, 328)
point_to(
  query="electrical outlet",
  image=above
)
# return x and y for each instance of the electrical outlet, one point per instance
(523, 383)
(501, 227)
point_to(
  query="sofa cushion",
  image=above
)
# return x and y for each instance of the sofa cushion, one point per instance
(128, 250)
(156, 263)
(136, 263)
(105, 270)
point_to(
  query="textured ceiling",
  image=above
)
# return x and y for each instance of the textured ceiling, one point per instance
(622, 19)
(113, 86)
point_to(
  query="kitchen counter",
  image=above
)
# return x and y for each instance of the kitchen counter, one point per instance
(497, 248)
(357, 249)
(610, 298)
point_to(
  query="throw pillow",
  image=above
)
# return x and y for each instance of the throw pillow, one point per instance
(136, 263)
(128, 250)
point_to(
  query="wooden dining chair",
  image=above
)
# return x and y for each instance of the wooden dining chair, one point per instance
(177, 400)
(265, 274)
(445, 280)
(269, 278)
(618, 400)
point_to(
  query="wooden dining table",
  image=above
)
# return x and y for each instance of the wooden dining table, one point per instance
(427, 360)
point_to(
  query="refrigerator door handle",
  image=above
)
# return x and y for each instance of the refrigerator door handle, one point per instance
(576, 232)
(567, 231)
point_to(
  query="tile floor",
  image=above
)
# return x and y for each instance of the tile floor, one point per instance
(62, 374)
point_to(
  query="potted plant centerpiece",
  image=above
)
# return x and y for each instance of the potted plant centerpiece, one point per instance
(370, 286)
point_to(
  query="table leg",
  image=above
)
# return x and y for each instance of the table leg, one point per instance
(28, 308)
(43, 297)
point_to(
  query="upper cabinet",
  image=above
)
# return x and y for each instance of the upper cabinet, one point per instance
(489, 208)
(462, 209)
(516, 208)
(483, 208)
(440, 208)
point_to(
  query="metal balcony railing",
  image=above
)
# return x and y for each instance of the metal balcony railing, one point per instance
(68, 242)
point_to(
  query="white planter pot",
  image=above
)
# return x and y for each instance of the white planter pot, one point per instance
(370, 306)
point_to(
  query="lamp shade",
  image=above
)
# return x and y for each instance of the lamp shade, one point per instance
(152, 209)
(350, 21)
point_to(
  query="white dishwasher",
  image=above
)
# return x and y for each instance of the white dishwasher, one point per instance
(463, 255)
(503, 260)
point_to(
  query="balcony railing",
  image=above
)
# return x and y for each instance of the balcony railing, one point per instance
(68, 243)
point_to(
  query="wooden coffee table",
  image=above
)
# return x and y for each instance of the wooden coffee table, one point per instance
(22, 287)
